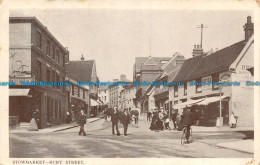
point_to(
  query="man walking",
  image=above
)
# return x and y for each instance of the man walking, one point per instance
(125, 120)
(81, 120)
(114, 120)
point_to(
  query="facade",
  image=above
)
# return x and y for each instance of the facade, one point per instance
(127, 96)
(36, 55)
(226, 65)
(147, 69)
(115, 91)
(84, 71)
(103, 94)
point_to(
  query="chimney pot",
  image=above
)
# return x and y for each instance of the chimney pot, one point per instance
(82, 58)
(249, 19)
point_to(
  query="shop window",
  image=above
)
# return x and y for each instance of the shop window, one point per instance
(39, 39)
(56, 109)
(53, 108)
(198, 86)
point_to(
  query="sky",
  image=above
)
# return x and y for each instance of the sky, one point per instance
(114, 37)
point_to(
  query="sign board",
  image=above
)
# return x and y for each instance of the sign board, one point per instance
(18, 80)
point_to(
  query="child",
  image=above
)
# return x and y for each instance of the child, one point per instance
(167, 121)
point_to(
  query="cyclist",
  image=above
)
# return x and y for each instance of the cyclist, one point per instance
(187, 120)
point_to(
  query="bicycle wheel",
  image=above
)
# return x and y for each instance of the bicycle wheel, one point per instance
(183, 136)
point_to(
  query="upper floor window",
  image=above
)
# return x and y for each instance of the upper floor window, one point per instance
(57, 56)
(198, 86)
(53, 52)
(39, 39)
(175, 91)
(48, 48)
(215, 78)
(57, 79)
(53, 77)
(39, 70)
(48, 75)
(185, 88)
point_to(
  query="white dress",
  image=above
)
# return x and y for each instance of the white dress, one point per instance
(33, 125)
(232, 119)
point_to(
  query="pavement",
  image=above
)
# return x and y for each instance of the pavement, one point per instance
(55, 128)
(63, 142)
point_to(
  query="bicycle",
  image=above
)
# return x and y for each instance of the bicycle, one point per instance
(184, 132)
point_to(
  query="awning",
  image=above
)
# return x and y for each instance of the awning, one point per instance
(93, 102)
(211, 100)
(19, 92)
(184, 104)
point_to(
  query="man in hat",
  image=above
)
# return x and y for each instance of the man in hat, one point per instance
(81, 120)
(114, 120)
(187, 120)
(125, 120)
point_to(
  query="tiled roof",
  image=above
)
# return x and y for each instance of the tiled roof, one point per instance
(80, 70)
(200, 66)
(140, 60)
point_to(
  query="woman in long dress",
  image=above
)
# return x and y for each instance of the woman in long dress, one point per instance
(33, 124)
(233, 121)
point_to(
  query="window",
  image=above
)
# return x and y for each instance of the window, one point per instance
(84, 94)
(59, 109)
(72, 88)
(53, 52)
(56, 108)
(48, 75)
(185, 88)
(52, 108)
(198, 86)
(53, 77)
(78, 92)
(63, 86)
(105, 98)
(57, 56)
(175, 91)
(215, 78)
(39, 70)
(105, 91)
(57, 80)
(48, 48)
(39, 39)
(63, 60)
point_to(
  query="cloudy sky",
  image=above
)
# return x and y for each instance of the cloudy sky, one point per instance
(113, 38)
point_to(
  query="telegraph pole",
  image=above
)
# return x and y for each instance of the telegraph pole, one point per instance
(202, 26)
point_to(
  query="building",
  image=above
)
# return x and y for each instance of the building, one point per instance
(115, 90)
(147, 69)
(229, 64)
(35, 56)
(103, 95)
(85, 71)
(127, 96)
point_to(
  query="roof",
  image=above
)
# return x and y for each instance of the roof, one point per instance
(202, 65)
(80, 70)
(148, 60)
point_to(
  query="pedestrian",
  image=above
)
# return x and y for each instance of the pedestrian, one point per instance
(114, 120)
(187, 120)
(167, 123)
(233, 121)
(125, 121)
(174, 116)
(155, 117)
(196, 117)
(68, 117)
(149, 115)
(33, 123)
(159, 122)
(36, 116)
(81, 120)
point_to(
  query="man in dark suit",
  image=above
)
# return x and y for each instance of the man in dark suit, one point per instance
(114, 120)
(125, 120)
(81, 120)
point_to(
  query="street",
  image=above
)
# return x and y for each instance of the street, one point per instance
(140, 143)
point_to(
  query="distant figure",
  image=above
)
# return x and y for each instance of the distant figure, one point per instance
(36, 116)
(187, 120)
(233, 121)
(114, 120)
(167, 123)
(33, 123)
(68, 117)
(174, 116)
(125, 121)
(149, 113)
(155, 117)
(81, 120)
(196, 117)
(135, 115)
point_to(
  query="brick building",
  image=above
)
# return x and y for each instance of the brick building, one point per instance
(36, 55)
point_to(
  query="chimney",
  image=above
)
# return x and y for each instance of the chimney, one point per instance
(248, 28)
(197, 50)
(82, 58)
(122, 77)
